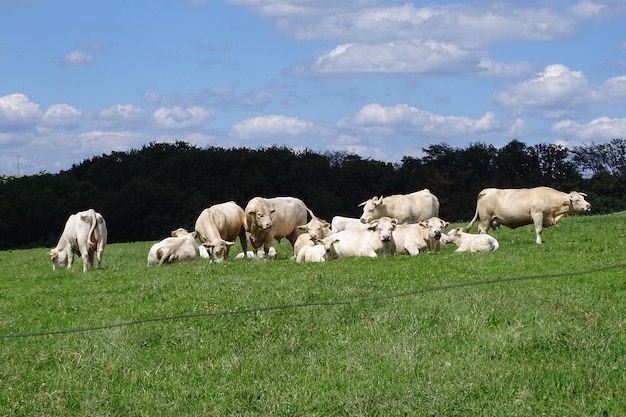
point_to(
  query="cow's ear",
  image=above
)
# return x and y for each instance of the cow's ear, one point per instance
(379, 201)
(363, 203)
(423, 224)
(303, 227)
(229, 242)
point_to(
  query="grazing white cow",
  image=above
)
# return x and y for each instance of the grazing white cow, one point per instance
(180, 246)
(468, 242)
(419, 237)
(406, 208)
(372, 241)
(85, 232)
(217, 228)
(541, 206)
(315, 229)
(339, 223)
(274, 218)
(323, 250)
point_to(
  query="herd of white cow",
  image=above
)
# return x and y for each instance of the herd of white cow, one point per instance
(396, 224)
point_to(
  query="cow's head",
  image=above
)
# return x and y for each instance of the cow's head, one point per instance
(385, 227)
(329, 246)
(316, 228)
(578, 202)
(434, 225)
(372, 209)
(218, 249)
(261, 216)
(180, 232)
(58, 258)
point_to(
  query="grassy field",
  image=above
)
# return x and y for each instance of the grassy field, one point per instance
(528, 330)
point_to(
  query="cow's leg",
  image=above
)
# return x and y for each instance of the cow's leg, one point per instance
(99, 254)
(538, 221)
(244, 242)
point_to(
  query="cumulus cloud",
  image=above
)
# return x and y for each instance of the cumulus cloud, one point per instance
(597, 130)
(75, 58)
(17, 112)
(273, 126)
(61, 115)
(389, 120)
(181, 117)
(554, 92)
(119, 115)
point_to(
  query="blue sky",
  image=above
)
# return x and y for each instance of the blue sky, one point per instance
(377, 78)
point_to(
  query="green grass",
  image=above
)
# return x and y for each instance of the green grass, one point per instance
(550, 343)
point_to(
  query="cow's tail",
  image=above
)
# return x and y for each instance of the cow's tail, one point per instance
(471, 224)
(91, 239)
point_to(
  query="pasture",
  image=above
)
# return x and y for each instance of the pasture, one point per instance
(527, 330)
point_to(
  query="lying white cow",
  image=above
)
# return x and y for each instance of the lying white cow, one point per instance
(321, 251)
(406, 208)
(180, 246)
(372, 241)
(274, 218)
(541, 206)
(339, 223)
(217, 228)
(468, 242)
(85, 233)
(315, 229)
(419, 237)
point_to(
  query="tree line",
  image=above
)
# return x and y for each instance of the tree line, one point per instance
(145, 193)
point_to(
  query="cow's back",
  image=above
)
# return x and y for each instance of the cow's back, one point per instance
(290, 212)
(222, 220)
(412, 208)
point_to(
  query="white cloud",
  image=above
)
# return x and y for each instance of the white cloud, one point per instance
(119, 115)
(181, 117)
(597, 130)
(77, 58)
(404, 119)
(393, 57)
(17, 112)
(615, 88)
(273, 126)
(61, 115)
(554, 92)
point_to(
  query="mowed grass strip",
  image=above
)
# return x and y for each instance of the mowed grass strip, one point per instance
(541, 330)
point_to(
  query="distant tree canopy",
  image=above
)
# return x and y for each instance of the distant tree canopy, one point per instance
(144, 194)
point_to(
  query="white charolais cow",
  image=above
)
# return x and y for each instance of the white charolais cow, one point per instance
(419, 237)
(468, 242)
(372, 241)
(85, 233)
(406, 208)
(315, 229)
(217, 228)
(274, 218)
(180, 246)
(541, 206)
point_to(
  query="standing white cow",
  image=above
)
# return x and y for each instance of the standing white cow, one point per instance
(424, 236)
(274, 218)
(541, 206)
(406, 208)
(180, 246)
(468, 242)
(217, 228)
(315, 229)
(85, 232)
(372, 241)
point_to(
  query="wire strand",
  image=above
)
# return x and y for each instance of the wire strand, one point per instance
(310, 304)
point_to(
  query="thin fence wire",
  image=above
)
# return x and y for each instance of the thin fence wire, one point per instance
(311, 304)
